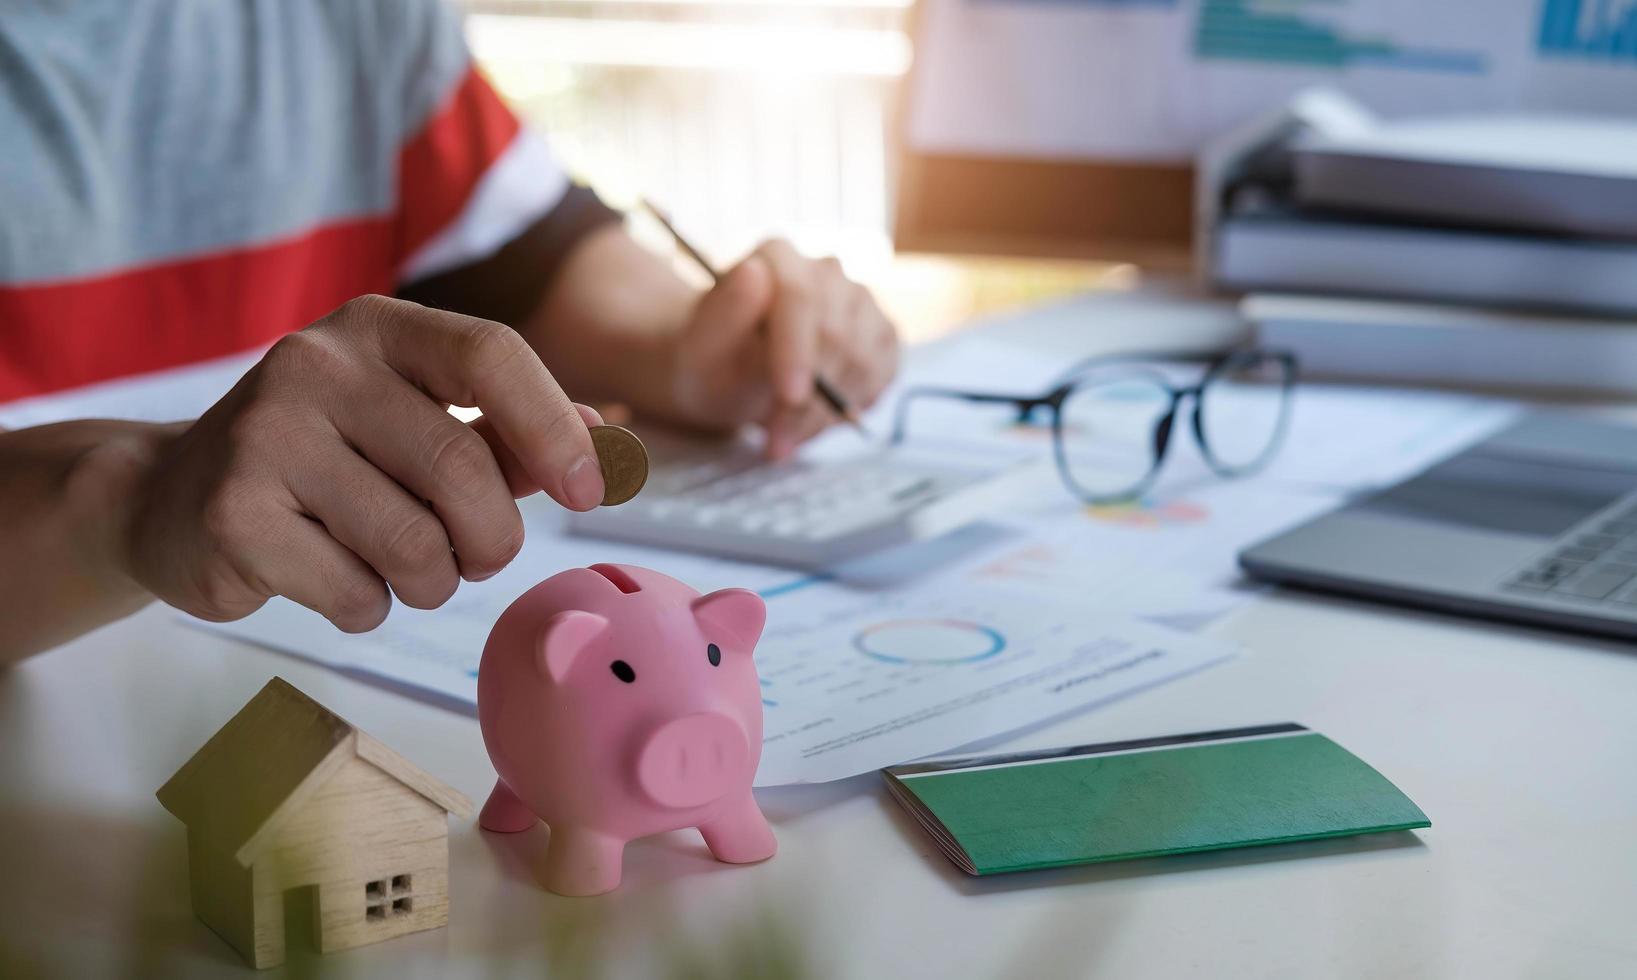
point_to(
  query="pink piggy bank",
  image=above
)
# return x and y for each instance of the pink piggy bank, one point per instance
(617, 702)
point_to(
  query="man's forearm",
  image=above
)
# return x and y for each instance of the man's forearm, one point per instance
(607, 328)
(64, 496)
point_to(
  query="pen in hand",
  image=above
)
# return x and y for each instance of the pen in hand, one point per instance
(825, 390)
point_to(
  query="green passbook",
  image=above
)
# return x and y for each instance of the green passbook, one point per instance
(1200, 792)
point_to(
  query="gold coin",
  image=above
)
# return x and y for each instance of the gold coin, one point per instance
(624, 462)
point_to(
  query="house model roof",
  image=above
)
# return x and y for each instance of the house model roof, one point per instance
(271, 757)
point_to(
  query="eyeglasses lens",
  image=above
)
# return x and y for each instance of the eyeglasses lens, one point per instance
(1109, 424)
(1243, 410)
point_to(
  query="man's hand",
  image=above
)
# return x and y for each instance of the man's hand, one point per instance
(755, 342)
(332, 470)
(619, 326)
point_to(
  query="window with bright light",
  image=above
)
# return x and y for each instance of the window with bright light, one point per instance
(744, 118)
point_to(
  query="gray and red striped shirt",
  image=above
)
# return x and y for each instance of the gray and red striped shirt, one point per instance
(182, 179)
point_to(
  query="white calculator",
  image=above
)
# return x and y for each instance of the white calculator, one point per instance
(724, 498)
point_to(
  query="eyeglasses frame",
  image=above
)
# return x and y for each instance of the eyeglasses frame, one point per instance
(1075, 377)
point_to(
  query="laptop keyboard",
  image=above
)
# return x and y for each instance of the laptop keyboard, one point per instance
(1597, 563)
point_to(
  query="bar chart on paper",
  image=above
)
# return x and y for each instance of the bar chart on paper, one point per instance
(1315, 33)
(1591, 29)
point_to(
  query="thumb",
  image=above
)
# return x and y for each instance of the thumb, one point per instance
(729, 314)
(518, 480)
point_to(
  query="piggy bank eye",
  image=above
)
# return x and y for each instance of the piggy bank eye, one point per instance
(714, 653)
(623, 671)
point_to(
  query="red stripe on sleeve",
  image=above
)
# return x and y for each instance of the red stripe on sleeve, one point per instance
(439, 167)
(65, 334)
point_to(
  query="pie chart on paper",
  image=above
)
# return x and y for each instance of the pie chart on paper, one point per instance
(929, 642)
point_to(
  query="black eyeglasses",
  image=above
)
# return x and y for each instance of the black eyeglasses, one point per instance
(1112, 418)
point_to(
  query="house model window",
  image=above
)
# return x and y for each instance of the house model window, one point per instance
(380, 895)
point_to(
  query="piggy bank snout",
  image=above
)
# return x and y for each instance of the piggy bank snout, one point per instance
(693, 760)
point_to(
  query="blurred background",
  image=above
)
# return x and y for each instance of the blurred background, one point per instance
(744, 118)
(963, 157)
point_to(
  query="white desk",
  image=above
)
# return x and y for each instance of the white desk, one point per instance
(1520, 745)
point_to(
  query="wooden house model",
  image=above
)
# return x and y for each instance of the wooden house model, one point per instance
(289, 796)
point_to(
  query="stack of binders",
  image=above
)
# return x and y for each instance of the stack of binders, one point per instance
(1480, 250)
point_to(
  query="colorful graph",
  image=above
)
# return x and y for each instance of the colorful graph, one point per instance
(1599, 29)
(929, 641)
(1149, 513)
(1297, 32)
(1031, 563)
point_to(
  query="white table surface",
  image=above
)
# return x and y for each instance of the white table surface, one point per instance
(1521, 745)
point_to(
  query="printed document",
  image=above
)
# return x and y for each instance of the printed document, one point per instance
(854, 677)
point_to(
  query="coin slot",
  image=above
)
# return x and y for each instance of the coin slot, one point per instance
(620, 577)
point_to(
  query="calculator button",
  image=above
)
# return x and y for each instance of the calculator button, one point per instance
(787, 527)
(658, 510)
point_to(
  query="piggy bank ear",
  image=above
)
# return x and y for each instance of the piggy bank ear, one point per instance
(563, 638)
(736, 615)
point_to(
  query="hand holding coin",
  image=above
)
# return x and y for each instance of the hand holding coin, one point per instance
(624, 462)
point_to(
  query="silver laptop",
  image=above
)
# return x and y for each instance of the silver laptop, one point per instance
(1536, 524)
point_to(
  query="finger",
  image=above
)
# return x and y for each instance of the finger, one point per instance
(837, 364)
(862, 359)
(518, 481)
(377, 520)
(792, 324)
(305, 564)
(440, 460)
(845, 341)
(838, 332)
(728, 316)
(790, 426)
(722, 367)
(853, 378)
(874, 355)
(466, 361)
(846, 366)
